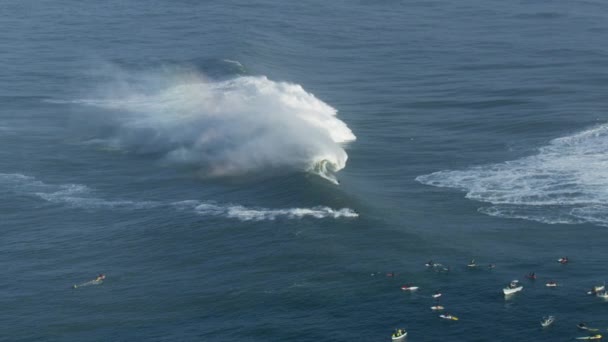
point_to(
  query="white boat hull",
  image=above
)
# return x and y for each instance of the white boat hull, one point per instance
(411, 288)
(510, 291)
(597, 289)
(400, 338)
(547, 321)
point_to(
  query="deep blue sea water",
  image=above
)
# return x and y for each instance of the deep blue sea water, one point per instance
(191, 150)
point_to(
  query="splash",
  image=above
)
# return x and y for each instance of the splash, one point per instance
(244, 125)
(565, 182)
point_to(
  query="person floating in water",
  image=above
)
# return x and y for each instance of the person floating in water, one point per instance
(97, 281)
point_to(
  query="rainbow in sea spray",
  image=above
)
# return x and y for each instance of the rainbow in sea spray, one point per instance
(244, 125)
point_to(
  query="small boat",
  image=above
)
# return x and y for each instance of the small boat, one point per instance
(563, 260)
(437, 308)
(409, 288)
(602, 294)
(596, 289)
(547, 321)
(472, 263)
(437, 295)
(490, 266)
(594, 337)
(513, 287)
(551, 284)
(531, 276)
(399, 335)
(449, 317)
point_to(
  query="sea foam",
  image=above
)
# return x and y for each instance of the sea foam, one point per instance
(72, 195)
(243, 125)
(565, 182)
(82, 197)
(243, 213)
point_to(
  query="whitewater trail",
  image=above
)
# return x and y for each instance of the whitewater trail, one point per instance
(82, 197)
(248, 124)
(565, 182)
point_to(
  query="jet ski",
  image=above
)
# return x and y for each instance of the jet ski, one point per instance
(409, 288)
(513, 287)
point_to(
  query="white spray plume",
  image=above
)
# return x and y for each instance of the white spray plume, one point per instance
(226, 128)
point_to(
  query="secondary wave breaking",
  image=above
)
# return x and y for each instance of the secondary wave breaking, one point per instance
(566, 182)
(83, 197)
(263, 214)
(248, 124)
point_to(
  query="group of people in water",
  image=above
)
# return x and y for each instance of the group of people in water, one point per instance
(597, 290)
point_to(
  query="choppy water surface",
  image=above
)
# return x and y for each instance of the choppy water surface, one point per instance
(253, 171)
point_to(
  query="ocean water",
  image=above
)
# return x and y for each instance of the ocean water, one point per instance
(251, 170)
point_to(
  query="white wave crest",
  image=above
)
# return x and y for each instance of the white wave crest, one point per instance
(226, 128)
(264, 214)
(566, 182)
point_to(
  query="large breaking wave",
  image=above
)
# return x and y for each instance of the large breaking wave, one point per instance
(247, 124)
(566, 182)
(82, 197)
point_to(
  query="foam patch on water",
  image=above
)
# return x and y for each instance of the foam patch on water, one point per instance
(83, 197)
(263, 214)
(248, 124)
(72, 195)
(565, 182)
